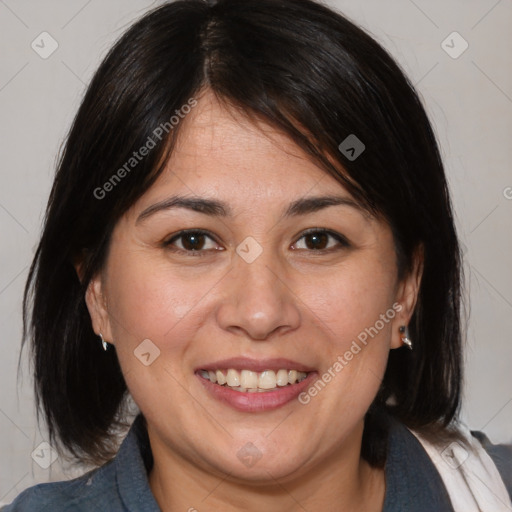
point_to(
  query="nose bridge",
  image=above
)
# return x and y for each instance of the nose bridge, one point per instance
(261, 276)
(257, 300)
(255, 263)
(259, 282)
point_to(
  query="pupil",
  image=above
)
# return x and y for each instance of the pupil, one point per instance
(193, 242)
(318, 241)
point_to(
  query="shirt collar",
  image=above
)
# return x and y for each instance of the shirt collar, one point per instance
(133, 463)
(412, 481)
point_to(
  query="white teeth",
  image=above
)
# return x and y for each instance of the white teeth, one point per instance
(282, 378)
(233, 378)
(251, 382)
(248, 379)
(267, 380)
(221, 378)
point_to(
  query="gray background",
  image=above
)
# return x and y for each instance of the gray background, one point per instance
(468, 98)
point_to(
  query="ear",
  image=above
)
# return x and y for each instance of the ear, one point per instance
(407, 296)
(95, 299)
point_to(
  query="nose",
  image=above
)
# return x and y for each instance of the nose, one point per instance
(257, 300)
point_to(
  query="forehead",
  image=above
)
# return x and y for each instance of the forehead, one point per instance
(220, 147)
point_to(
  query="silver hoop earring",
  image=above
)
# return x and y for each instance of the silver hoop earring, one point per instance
(405, 339)
(103, 343)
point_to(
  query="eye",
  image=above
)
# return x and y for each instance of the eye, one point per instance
(320, 240)
(192, 241)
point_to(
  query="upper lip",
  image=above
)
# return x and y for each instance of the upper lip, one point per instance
(255, 365)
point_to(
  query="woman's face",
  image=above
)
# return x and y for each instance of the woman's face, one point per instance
(271, 276)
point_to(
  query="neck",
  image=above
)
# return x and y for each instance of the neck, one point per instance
(341, 481)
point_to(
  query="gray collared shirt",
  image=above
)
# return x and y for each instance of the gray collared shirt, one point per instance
(412, 482)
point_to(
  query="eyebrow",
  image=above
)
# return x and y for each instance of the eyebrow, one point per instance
(316, 203)
(217, 208)
(210, 207)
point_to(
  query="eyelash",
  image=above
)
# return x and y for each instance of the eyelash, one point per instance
(342, 241)
(201, 232)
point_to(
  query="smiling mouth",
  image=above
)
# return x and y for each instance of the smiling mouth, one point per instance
(247, 381)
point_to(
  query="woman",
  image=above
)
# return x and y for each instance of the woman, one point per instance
(250, 234)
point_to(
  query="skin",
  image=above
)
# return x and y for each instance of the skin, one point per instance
(294, 301)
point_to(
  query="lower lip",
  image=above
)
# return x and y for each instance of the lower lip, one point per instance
(255, 402)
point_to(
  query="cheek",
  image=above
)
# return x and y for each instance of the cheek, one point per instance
(149, 302)
(146, 299)
(352, 300)
(354, 311)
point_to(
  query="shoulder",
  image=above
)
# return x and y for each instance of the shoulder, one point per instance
(454, 462)
(108, 488)
(96, 490)
(469, 464)
(501, 454)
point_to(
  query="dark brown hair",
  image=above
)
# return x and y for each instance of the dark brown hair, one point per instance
(318, 78)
